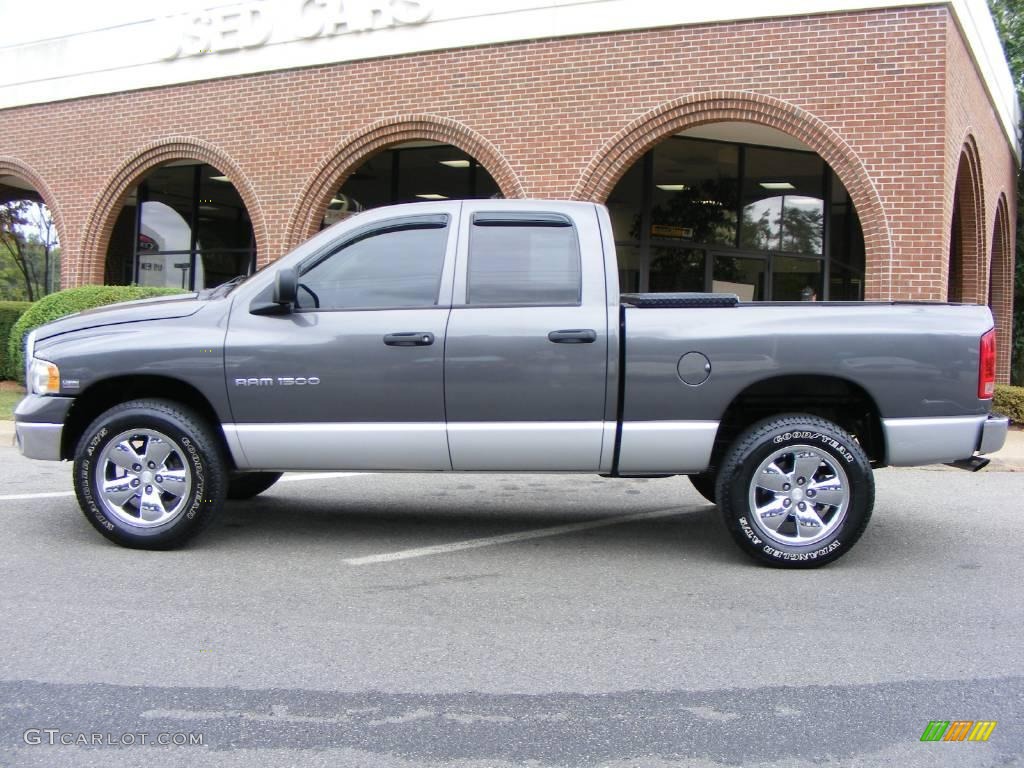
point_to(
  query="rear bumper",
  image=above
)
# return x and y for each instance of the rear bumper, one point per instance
(942, 440)
(993, 434)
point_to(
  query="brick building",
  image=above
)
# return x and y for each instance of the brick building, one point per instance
(829, 149)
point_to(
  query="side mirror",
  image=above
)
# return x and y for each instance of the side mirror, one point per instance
(286, 286)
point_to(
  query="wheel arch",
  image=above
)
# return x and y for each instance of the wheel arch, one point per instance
(106, 393)
(835, 398)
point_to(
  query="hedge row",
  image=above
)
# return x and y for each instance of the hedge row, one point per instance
(10, 311)
(1009, 401)
(63, 303)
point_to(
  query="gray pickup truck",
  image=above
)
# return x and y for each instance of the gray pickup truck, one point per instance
(490, 336)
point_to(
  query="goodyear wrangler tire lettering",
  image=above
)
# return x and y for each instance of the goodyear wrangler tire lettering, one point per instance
(796, 491)
(177, 504)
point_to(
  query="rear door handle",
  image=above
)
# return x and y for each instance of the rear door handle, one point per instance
(573, 336)
(409, 339)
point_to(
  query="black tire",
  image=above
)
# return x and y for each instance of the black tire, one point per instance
(831, 530)
(704, 484)
(246, 485)
(193, 458)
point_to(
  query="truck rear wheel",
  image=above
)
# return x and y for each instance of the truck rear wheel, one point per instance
(246, 485)
(149, 474)
(796, 491)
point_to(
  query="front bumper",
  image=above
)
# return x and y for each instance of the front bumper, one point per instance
(993, 434)
(39, 441)
(39, 426)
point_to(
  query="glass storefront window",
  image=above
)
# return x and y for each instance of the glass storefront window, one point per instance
(761, 211)
(631, 266)
(846, 247)
(626, 204)
(675, 270)
(694, 191)
(845, 284)
(783, 206)
(184, 226)
(746, 277)
(409, 173)
(795, 279)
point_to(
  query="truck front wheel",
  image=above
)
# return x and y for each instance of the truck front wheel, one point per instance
(149, 474)
(796, 491)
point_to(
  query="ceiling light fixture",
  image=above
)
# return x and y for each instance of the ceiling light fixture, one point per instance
(455, 163)
(672, 187)
(225, 179)
(433, 196)
(776, 185)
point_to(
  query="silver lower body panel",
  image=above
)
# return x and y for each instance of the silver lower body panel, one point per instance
(526, 446)
(670, 447)
(936, 440)
(39, 440)
(414, 447)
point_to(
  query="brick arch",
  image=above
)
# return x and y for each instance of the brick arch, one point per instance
(356, 148)
(12, 166)
(1000, 294)
(627, 146)
(967, 275)
(105, 210)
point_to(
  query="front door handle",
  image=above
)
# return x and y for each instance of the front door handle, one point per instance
(409, 339)
(574, 336)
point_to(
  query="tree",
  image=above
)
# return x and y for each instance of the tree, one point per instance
(1009, 18)
(28, 249)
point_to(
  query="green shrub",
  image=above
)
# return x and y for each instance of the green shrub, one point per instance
(68, 302)
(10, 311)
(1009, 401)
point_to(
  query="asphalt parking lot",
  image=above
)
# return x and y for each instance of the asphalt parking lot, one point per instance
(493, 620)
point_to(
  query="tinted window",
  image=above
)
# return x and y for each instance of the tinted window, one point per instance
(391, 268)
(517, 263)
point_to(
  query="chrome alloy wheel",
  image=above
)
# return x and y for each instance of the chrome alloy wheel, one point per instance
(798, 496)
(143, 478)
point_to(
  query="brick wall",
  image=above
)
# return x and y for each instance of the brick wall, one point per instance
(553, 118)
(976, 146)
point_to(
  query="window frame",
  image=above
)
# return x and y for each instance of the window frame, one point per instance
(400, 224)
(519, 219)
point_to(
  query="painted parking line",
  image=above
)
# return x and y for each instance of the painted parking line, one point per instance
(290, 478)
(27, 496)
(510, 538)
(294, 477)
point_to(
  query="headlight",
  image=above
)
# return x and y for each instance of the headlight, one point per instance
(43, 378)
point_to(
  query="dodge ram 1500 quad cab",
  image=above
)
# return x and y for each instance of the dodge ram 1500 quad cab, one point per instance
(491, 336)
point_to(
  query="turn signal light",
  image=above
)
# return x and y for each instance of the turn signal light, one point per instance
(44, 378)
(987, 366)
